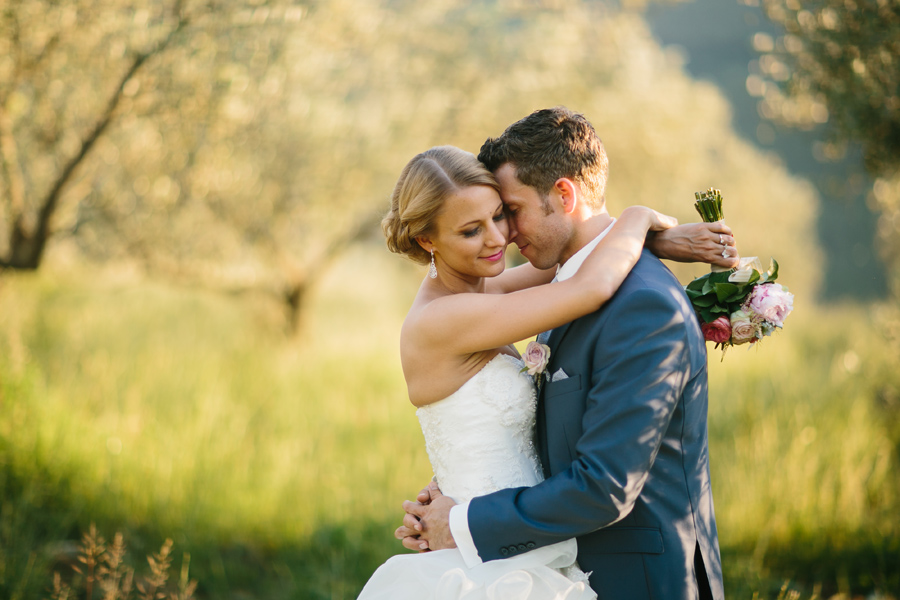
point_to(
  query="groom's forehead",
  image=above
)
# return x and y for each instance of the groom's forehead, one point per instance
(511, 187)
(518, 193)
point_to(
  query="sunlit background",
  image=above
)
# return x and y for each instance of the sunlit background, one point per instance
(199, 319)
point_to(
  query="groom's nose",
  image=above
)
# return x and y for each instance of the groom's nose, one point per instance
(513, 230)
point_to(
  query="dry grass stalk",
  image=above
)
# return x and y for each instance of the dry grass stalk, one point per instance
(103, 568)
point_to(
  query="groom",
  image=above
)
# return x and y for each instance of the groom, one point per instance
(621, 423)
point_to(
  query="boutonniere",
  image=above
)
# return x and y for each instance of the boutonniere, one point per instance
(536, 358)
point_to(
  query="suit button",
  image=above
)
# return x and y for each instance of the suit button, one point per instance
(512, 549)
(522, 548)
(504, 552)
(530, 545)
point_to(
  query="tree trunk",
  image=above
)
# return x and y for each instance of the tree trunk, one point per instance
(27, 244)
(295, 298)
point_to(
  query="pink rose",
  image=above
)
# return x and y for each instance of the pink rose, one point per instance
(719, 331)
(743, 329)
(536, 358)
(771, 302)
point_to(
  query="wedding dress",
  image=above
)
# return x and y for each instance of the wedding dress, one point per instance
(480, 439)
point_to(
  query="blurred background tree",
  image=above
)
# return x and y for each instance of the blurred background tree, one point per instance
(838, 63)
(242, 146)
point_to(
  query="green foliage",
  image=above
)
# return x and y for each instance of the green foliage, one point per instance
(714, 296)
(837, 63)
(838, 60)
(280, 466)
(243, 153)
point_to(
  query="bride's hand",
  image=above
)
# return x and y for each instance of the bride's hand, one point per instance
(711, 243)
(431, 523)
(655, 219)
(429, 492)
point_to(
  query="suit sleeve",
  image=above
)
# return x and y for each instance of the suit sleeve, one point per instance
(639, 373)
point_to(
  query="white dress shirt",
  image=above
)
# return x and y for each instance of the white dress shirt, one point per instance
(459, 514)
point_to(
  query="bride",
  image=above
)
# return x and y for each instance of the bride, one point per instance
(475, 404)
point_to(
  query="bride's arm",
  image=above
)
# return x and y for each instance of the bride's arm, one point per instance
(696, 242)
(519, 278)
(466, 323)
(692, 242)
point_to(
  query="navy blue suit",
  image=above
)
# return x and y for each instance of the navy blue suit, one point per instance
(624, 447)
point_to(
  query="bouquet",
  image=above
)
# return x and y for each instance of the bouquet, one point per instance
(741, 305)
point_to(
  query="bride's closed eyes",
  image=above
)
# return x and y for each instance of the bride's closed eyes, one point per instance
(500, 216)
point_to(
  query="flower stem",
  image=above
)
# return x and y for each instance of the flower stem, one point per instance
(709, 205)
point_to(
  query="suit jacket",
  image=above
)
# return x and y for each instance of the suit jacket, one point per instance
(624, 448)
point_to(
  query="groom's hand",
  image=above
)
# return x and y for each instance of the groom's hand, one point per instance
(406, 534)
(432, 521)
(426, 525)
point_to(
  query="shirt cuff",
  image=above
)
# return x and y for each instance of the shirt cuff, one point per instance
(459, 528)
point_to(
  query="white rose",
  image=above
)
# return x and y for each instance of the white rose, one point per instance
(536, 358)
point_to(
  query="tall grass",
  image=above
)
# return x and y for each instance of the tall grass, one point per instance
(279, 463)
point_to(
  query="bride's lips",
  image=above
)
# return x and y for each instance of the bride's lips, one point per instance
(494, 257)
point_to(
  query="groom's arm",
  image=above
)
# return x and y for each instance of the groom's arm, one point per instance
(639, 373)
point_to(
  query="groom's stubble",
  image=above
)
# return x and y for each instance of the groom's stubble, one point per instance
(545, 234)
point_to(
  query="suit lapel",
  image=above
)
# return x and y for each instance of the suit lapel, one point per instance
(556, 337)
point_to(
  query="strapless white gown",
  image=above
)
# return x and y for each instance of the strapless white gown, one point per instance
(480, 439)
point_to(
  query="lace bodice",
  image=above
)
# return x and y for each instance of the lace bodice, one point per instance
(480, 439)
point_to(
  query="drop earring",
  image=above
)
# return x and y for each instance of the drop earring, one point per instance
(432, 270)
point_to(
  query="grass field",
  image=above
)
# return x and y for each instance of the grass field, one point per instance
(279, 463)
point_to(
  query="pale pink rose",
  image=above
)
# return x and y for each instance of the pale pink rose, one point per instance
(719, 331)
(536, 357)
(771, 302)
(743, 329)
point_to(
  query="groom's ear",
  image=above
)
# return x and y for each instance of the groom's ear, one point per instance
(567, 192)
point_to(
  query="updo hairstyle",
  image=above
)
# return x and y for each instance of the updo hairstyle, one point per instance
(419, 195)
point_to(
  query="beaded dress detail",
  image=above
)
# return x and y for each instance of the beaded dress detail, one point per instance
(480, 439)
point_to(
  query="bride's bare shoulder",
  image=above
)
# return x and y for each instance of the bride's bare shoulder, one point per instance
(424, 313)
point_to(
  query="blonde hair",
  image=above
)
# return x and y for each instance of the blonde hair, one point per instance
(419, 196)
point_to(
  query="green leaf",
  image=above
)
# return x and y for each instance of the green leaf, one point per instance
(708, 316)
(724, 290)
(773, 270)
(720, 277)
(738, 296)
(704, 301)
(697, 284)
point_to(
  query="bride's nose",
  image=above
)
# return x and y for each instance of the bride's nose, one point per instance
(497, 236)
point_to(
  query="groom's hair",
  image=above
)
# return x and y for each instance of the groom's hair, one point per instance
(549, 144)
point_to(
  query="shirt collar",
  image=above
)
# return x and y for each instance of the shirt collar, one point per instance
(571, 266)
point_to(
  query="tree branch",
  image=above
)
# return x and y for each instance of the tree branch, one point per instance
(28, 247)
(9, 160)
